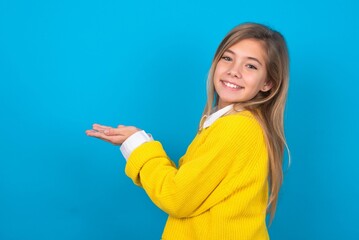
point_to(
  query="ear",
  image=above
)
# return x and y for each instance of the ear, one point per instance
(267, 86)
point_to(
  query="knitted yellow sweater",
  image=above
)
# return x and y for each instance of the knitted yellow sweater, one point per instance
(220, 190)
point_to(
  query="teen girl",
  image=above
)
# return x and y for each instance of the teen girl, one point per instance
(232, 171)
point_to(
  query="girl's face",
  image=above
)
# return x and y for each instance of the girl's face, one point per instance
(241, 73)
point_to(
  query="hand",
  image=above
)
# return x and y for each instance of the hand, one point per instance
(116, 136)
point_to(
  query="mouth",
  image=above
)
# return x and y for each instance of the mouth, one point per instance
(231, 85)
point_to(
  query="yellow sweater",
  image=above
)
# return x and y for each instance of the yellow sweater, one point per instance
(219, 191)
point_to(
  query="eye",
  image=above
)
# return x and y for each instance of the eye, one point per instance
(226, 58)
(251, 66)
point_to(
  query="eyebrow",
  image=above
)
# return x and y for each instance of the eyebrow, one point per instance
(251, 58)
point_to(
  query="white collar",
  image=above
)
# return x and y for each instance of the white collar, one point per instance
(214, 116)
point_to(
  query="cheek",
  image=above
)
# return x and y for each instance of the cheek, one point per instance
(216, 77)
(253, 86)
(220, 68)
(257, 80)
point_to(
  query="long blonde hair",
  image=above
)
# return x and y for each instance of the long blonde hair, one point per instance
(267, 107)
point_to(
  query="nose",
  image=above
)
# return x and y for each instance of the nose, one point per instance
(234, 72)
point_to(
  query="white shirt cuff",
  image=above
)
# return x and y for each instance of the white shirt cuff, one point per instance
(134, 141)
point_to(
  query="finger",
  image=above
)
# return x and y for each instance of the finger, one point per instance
(96, 125)
(100, 128)
(99, 135)
(93, 133)
(115, 140)
(114, 131)
(100, 125)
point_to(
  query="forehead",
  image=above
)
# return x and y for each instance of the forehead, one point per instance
(249, 48)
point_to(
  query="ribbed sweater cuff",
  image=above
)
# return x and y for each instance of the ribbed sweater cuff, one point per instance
(140, 156)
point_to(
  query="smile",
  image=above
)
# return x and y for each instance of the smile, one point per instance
(231, 85)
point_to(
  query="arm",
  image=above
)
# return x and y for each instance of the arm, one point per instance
(198, 183)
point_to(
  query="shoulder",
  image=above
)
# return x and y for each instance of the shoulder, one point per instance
(234, 134)
(240, 127)
(238, 121)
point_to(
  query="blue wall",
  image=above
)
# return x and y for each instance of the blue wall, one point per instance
(67, 64)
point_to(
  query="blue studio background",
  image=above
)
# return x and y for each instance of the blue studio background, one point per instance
(65, 65)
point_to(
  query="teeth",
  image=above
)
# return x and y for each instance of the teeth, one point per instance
(231, 85)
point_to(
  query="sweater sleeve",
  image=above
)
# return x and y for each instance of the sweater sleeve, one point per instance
(180, 192)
